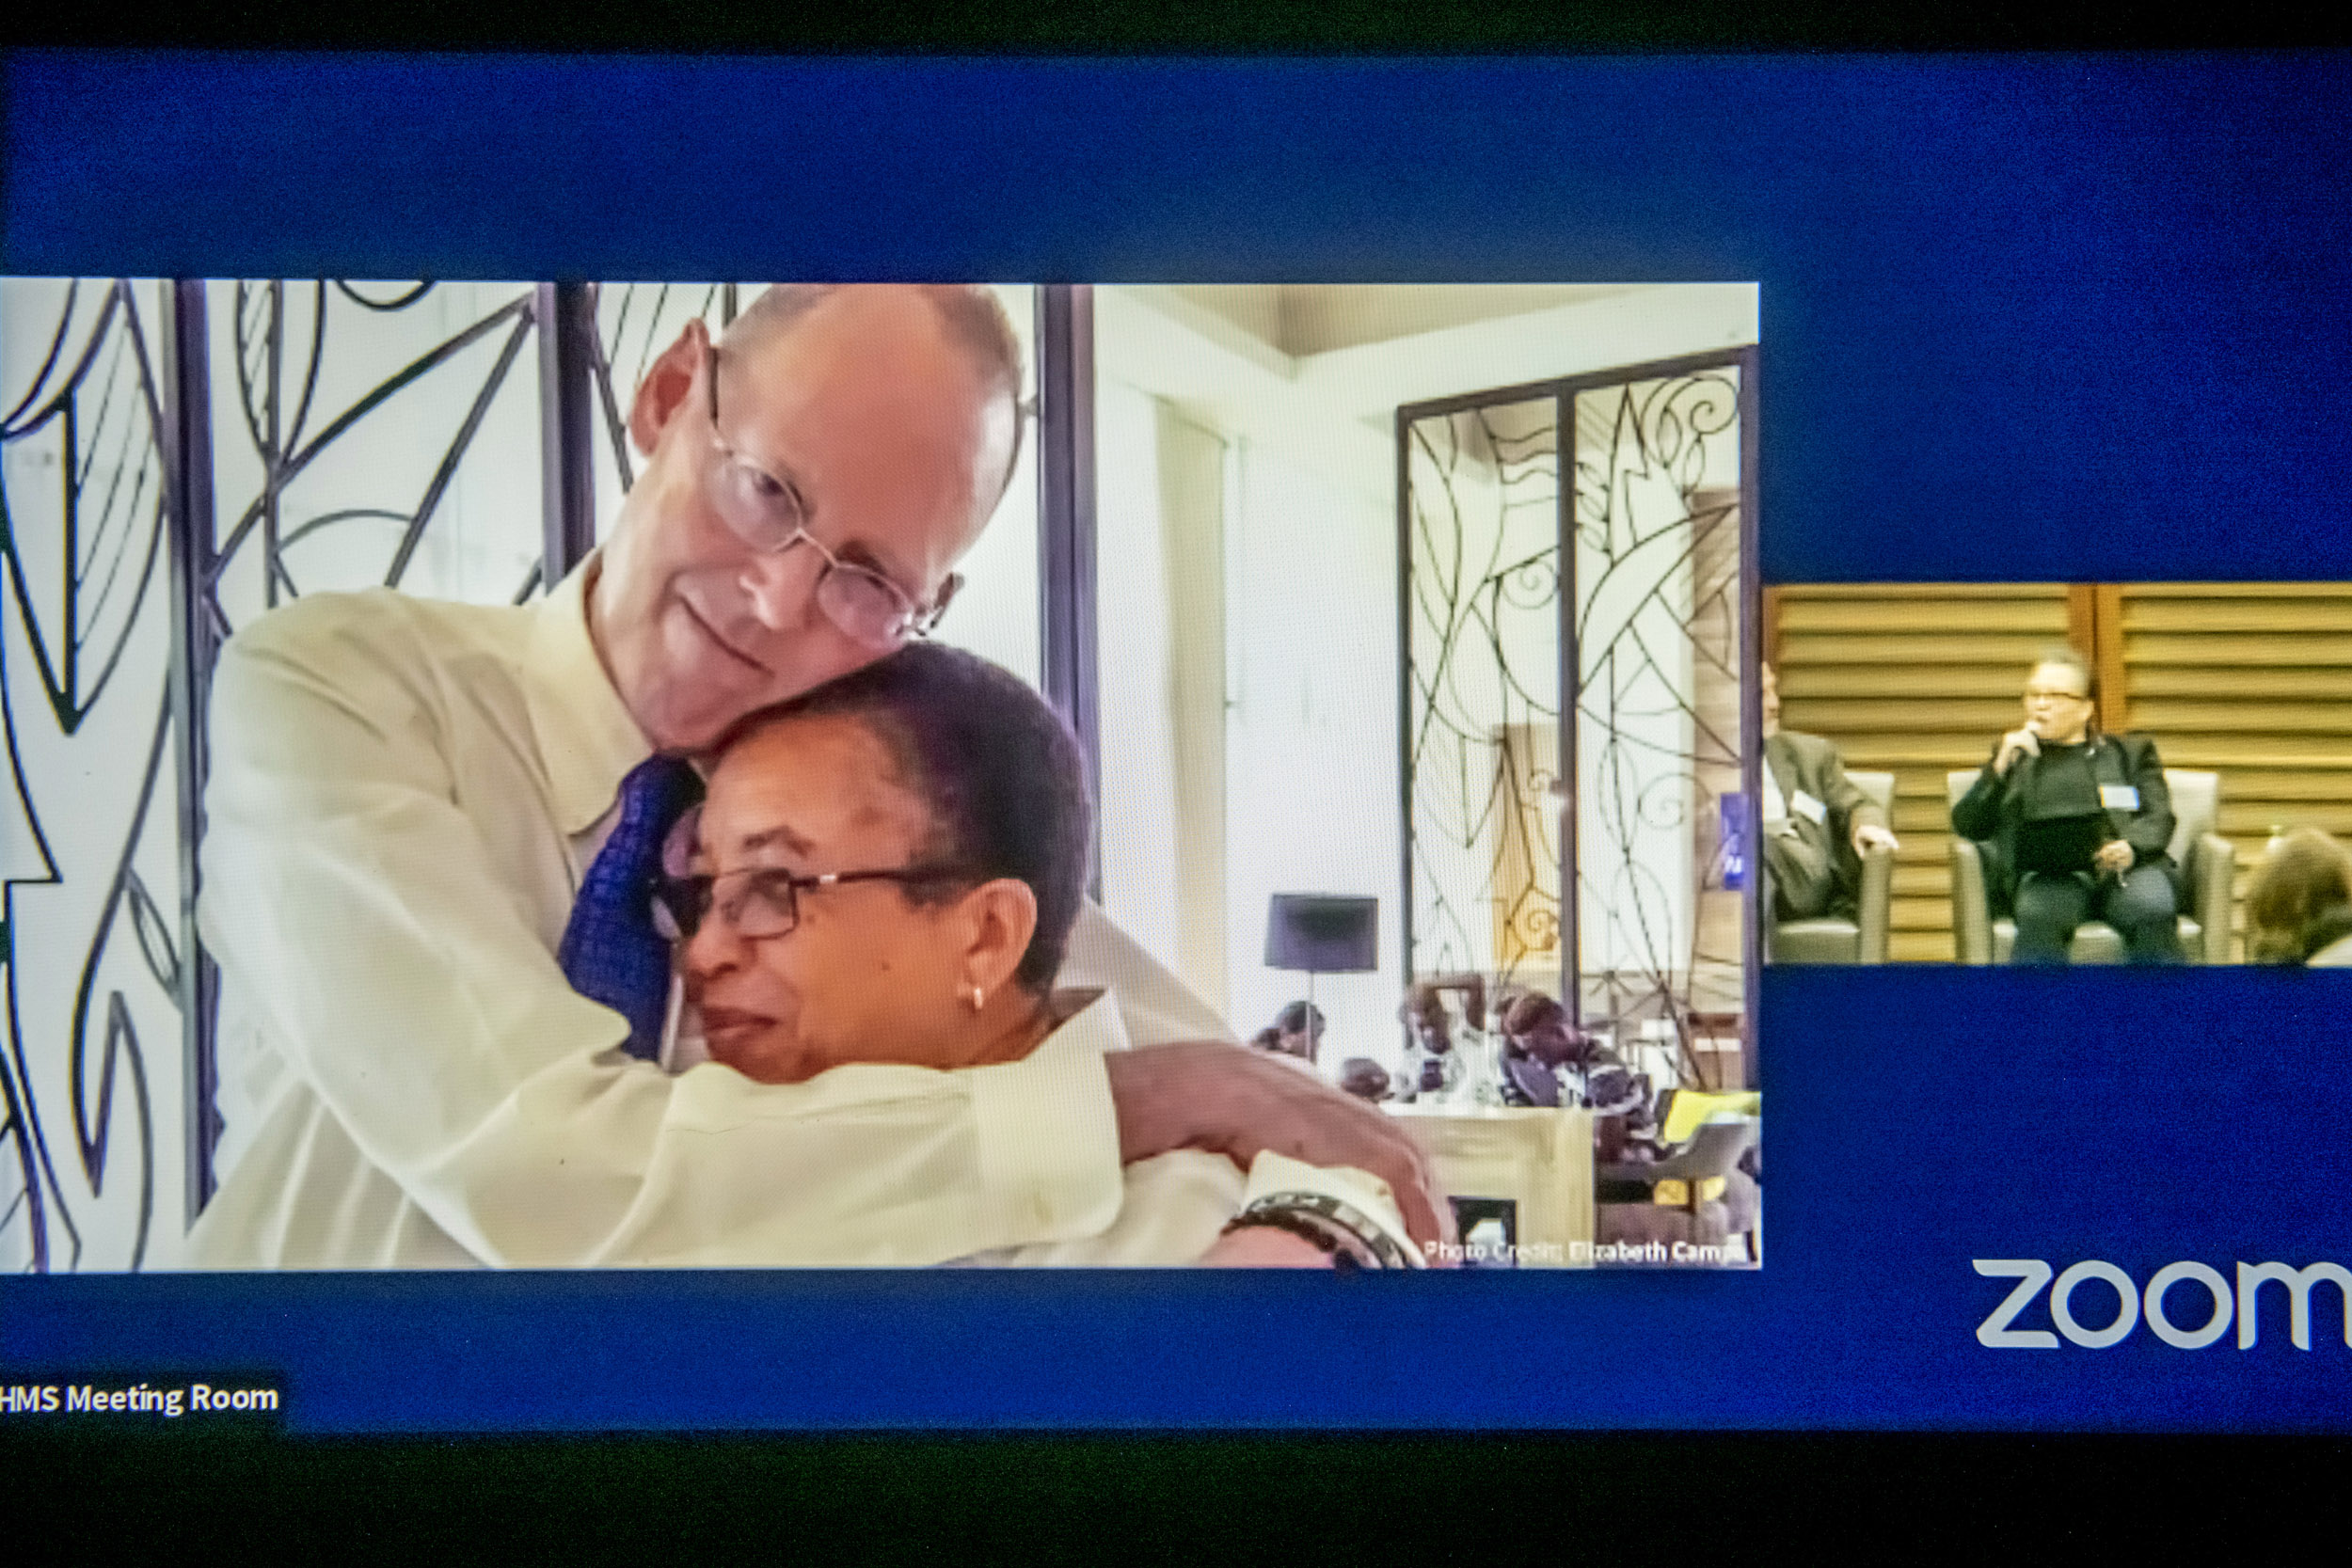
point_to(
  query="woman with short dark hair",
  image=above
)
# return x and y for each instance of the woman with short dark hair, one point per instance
(884, 875)
(2078, 823)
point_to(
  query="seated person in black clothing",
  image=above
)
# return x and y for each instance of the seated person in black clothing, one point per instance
(2078, 823)
(1817, 824)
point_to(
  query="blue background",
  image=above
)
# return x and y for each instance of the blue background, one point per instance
(2032, 318)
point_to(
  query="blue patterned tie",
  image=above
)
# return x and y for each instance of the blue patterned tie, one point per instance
(611, 951)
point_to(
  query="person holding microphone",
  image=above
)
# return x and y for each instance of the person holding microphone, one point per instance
(2078, 823)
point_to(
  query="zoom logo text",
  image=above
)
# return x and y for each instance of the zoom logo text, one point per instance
(2198, 1293)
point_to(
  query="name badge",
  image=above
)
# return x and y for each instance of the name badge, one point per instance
(1807, 807)
(2118, 796)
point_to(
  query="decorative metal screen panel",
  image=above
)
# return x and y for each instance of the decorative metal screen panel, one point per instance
(635, 322)
(358, 443)
(1483, 595)
(90, 936)
(1629, 582)
(179, 457)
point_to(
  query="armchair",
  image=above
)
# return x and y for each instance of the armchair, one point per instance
(1697, 1193)
(2208, 863)
(1834, 939)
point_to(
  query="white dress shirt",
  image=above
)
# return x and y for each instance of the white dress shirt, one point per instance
(1174, 1206)
(404, 797)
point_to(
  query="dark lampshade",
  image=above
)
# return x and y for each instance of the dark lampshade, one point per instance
(1323, 933)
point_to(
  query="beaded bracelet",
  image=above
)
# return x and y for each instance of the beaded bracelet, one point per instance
(1385, 1251)
(1293, 1223)
(1381, 1250)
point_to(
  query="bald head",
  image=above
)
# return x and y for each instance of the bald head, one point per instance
(970, 314)
(889, 416)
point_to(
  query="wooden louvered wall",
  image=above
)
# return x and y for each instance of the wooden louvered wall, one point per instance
(1914, 680)
(2251, 680)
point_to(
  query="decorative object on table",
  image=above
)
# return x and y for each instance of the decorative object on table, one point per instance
(1529, 1081)
(1300, 1026)
(1296, 1031)
(1616, 1091)
(1536, 1040)
(1430, 1066)
(1489, 1230)
(1365, 1078)
(1512, 1047)
(1477, 1077)
(1323, 933)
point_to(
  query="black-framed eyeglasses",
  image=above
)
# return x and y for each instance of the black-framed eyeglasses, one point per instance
(763, 901)
(769, 514)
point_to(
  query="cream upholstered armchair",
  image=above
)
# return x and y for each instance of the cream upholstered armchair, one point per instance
(2208, 863)
(1831, 939)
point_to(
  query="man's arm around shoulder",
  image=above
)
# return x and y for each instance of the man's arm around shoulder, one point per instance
(1187, 1085)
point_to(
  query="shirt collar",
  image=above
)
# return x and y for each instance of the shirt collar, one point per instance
(1090, 1022)
(586, 735)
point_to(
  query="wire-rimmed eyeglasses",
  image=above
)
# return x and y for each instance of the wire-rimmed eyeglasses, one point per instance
(769, 514)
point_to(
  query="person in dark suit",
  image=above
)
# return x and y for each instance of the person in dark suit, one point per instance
(1817, 824)
(2078, 823)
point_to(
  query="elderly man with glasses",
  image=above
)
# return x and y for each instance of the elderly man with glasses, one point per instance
(432, 829)
(1817, 824)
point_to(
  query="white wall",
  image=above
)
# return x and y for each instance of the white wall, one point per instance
(1312, 739)
(1159, 562)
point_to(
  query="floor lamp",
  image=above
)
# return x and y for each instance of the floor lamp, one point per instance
(1322, 934)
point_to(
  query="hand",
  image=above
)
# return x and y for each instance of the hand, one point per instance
(1207, 1095)
(1870, 836)
(2114, 856)
(1262, 1246)
(2017, 743)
